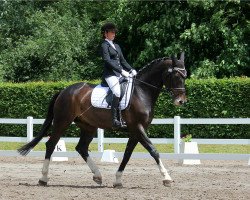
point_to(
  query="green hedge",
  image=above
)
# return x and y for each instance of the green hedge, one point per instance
(210, 98)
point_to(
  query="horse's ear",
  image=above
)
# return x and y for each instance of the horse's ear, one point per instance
(182, 57)
(174, 60)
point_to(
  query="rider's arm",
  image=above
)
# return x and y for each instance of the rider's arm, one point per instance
(123, 61)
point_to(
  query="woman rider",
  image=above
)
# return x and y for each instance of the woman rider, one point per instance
(115, 66)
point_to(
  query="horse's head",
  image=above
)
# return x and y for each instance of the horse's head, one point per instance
(174, 80)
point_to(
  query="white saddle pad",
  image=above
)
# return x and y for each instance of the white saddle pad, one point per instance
(99, 93)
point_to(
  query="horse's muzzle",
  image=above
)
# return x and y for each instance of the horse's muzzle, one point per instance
(180, 100)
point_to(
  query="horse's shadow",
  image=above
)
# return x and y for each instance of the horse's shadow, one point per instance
(80, 186)
(69, 186)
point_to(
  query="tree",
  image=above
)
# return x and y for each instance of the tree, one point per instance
(55, 49)
(212, 33)
(59, 40)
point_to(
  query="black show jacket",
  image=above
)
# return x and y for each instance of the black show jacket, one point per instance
(113, 59)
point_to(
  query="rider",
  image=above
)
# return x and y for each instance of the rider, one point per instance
(115, 66)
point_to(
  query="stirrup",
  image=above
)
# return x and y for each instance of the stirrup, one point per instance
(117, 124)
(123, 124)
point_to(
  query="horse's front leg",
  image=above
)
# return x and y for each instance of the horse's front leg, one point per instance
(132, 142)
(145, 141)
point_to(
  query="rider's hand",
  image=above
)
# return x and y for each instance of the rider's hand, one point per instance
(125, 73)
(133, 72)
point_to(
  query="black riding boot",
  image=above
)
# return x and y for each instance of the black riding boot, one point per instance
(114, 110)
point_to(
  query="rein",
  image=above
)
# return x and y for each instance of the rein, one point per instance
(148, 84)
(170, 89)
(161, 89)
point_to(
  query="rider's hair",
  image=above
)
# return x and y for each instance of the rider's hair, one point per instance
(109, 26)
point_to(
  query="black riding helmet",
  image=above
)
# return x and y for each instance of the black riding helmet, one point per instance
(108, 27)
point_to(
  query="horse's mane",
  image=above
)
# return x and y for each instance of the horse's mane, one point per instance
(149, 66)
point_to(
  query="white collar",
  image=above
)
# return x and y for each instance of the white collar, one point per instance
(110, 41)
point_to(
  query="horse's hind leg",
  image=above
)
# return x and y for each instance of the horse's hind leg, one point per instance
(50, 146)
(59, 129)
(147, 144)
(82, 148)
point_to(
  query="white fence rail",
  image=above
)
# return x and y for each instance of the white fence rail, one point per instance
(176, 121)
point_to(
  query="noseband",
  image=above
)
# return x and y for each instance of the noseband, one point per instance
(182, 72)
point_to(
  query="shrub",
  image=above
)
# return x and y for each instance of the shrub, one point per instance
(210, 98)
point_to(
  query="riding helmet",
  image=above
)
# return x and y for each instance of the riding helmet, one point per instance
(108, 27)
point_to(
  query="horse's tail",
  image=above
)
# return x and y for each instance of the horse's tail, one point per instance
(24, 150)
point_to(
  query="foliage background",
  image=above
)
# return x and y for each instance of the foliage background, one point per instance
(206, 98)
(59, 40)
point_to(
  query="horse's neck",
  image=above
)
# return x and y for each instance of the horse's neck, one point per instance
(150, 86)
(153, 81)
(153, 74)
(148, 94)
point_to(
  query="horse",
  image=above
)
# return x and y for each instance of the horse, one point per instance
(73, 104)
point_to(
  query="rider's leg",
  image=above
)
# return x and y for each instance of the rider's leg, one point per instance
(114, 85)
(114, 110)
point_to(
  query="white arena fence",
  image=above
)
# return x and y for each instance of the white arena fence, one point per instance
(177, 121)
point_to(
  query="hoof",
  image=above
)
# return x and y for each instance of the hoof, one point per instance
(117, 185)
(42, 183)
(167, 183)
(98, 180)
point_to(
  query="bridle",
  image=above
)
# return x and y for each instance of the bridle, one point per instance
(169, 89)
(182, 72)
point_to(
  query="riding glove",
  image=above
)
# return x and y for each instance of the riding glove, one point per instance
(133, 72)
(125, 73)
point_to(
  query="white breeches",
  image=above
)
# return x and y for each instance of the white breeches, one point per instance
(114, 85)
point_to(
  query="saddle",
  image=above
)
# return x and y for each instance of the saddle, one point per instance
(101, 96)
(123, 85)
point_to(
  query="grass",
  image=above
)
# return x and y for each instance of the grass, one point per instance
(162, 148)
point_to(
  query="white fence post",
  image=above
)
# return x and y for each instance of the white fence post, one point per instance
(100, 139)
(29, 129)
(177, 134)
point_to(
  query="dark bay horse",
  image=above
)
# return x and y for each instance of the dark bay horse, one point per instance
(73, 104)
